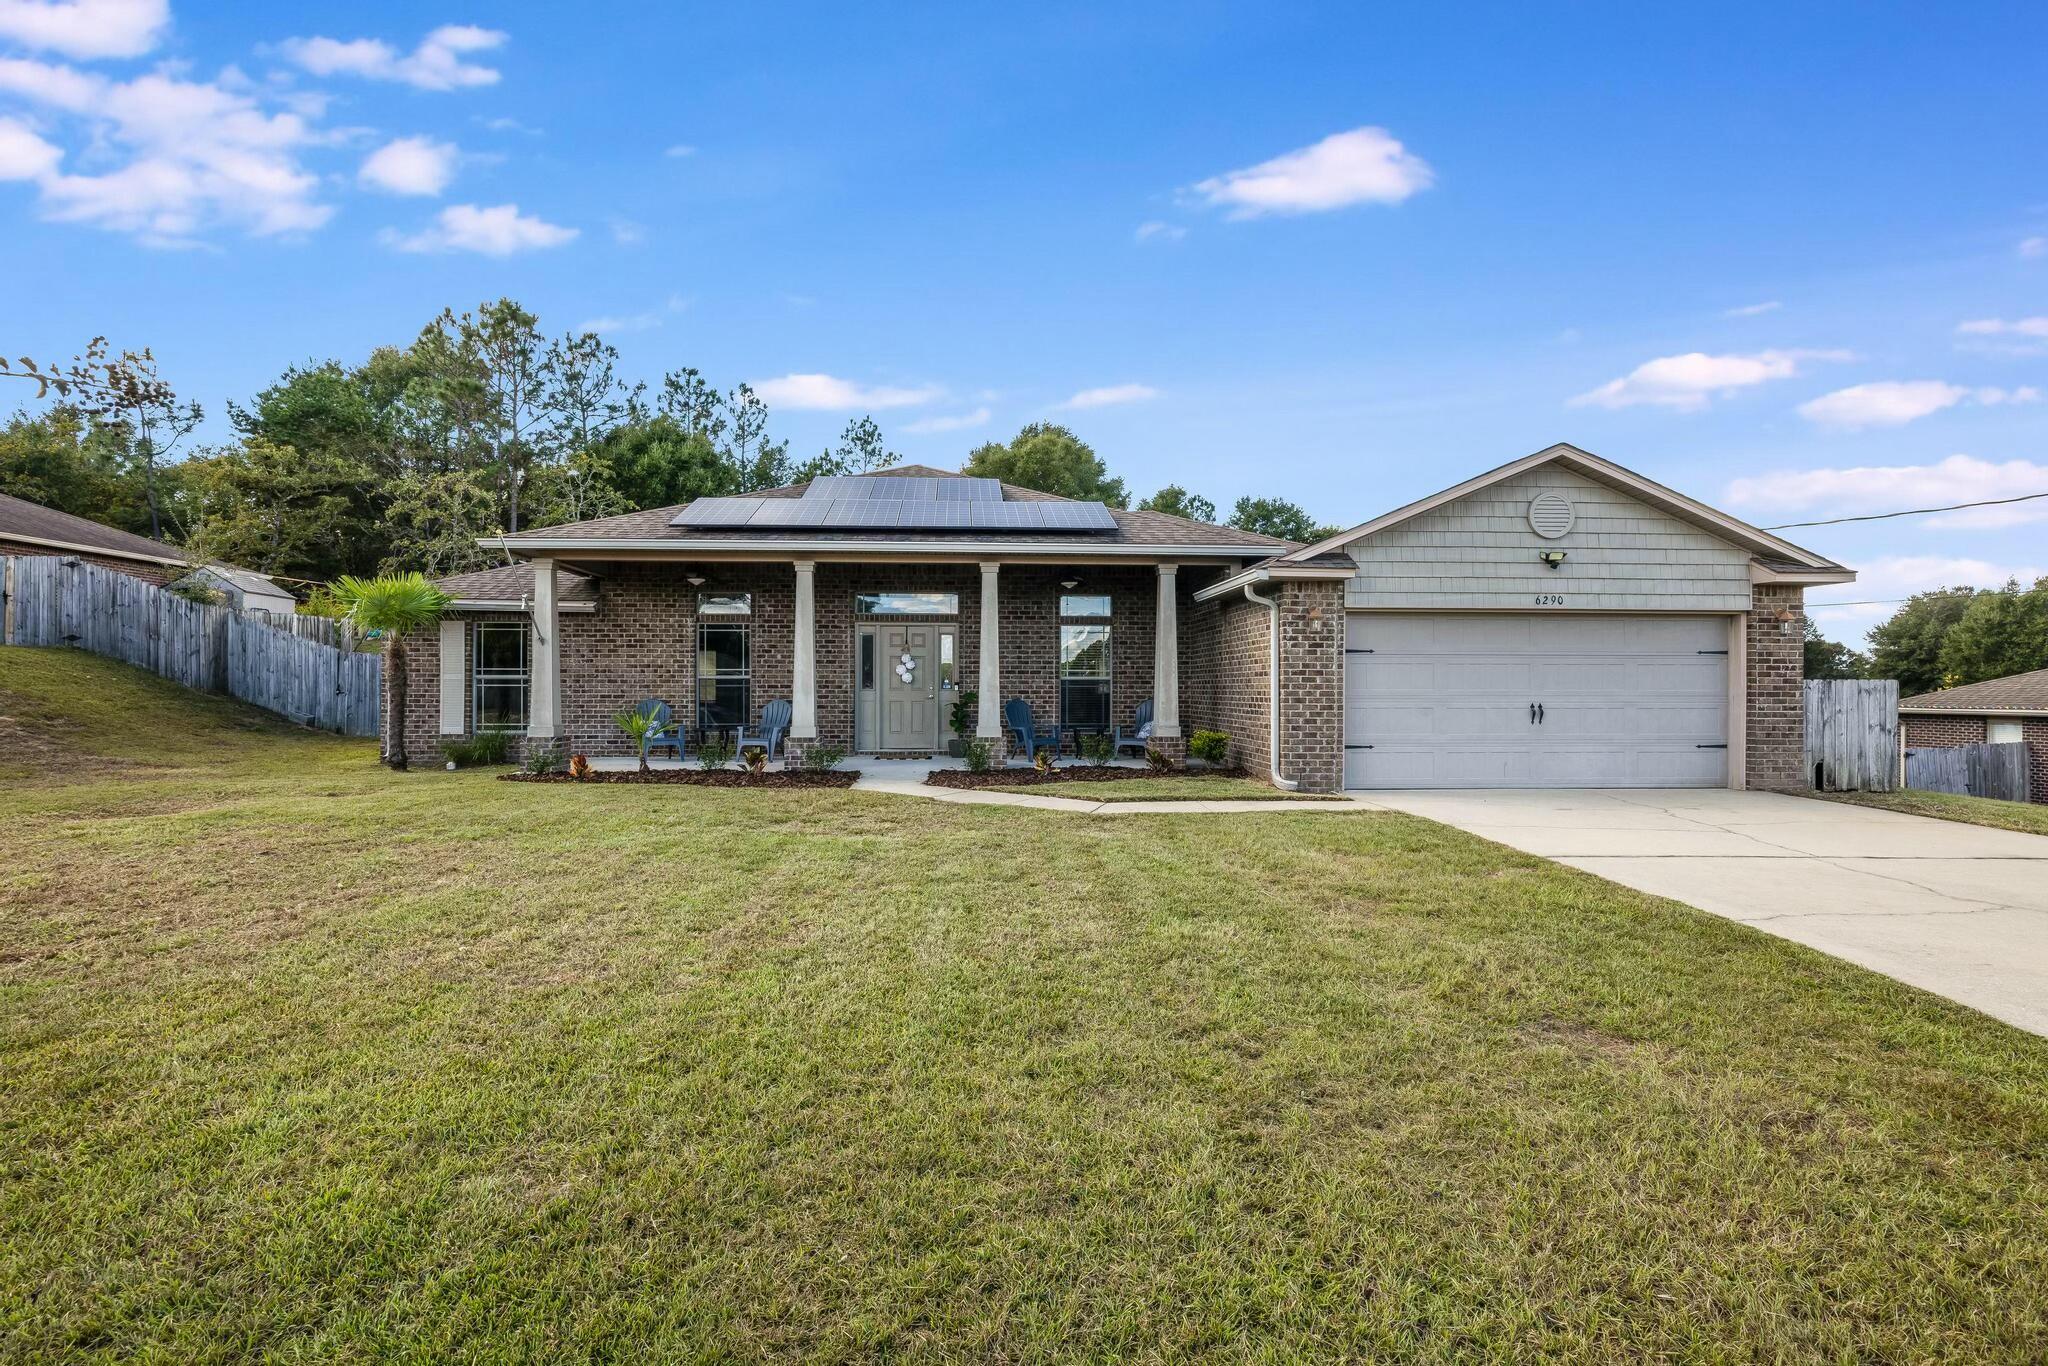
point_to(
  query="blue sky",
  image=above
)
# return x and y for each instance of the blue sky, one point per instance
(1790, 259)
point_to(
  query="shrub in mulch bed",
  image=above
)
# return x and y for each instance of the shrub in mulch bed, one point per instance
(701, 777)
(1076, 773)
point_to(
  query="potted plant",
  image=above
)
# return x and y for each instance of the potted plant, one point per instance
(962, 716)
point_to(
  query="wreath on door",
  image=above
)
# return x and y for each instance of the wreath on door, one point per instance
(906, 667)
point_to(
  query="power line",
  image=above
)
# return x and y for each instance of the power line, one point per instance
(1909, 512)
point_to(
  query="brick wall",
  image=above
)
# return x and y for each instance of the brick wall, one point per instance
(146, 570)
(1226, 660)
(1776, 720)
(1947, 732)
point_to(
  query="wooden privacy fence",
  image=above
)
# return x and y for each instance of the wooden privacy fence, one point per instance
(1971, 770)
(1852, 734)
(299, 670)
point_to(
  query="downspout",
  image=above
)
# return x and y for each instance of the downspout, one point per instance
(1273, 689)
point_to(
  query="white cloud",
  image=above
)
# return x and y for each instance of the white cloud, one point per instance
(978, 418)
(416, 165)
(1752, 310)
(1110, 395)
(1690, 381)
(628, 233)
(1158, 231)
(636, 322)
(679, 149)
(1991, 397)
(198, 154)
(498, 231)
(1885, 403)
(2033, 247)
(1363, 166)
(86, 28)
(23, 154)
(2036, 327)
(436, 64)
(1883, 582)
(829, 393)
(1786, 494)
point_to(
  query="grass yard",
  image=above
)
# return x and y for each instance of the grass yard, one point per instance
(2028, 818)
(1167, 789)
(303, 1059)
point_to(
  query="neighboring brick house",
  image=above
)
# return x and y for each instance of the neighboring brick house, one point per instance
(31, 529)
(1559, 621)
(2008, 710)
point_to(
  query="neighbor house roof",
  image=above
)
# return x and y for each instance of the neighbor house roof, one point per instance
(248, 580)
(2027, 692)
(652, 529)
(34, 524)
(1783, 558)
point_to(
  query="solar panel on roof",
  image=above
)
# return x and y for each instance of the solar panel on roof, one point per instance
(895, 503)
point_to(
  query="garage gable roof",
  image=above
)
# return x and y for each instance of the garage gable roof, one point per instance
(1734, 530)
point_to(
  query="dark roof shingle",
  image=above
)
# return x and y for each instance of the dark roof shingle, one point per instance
(2014, 692)
(19, 517)
(513, 582)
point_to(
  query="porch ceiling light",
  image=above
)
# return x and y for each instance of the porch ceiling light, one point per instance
(694, 579)
(1070, 584)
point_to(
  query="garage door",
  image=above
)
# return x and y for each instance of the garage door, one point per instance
(1472, 700)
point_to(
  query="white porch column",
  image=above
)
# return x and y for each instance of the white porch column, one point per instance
(1166, 657)
(988, 717)
(544, 690)
(803, 707)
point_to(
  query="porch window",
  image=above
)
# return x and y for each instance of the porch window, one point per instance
(724, 674)
(500, 676)
(1084, 676)
(906, 604)
(1084, 604)
(725, 604)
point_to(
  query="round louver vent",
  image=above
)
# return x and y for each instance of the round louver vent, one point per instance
(1551, 515)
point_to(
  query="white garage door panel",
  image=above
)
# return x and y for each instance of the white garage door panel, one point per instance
(1444, 700)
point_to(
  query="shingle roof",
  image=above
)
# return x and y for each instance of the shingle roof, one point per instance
(2014, 692)
(1133, 527)
(511, 583)
(19, 517)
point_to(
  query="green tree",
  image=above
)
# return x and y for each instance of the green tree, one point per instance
(2001, 631)
(64, 459)
(393, 606)
(1908, 645)
(435, 519)
(658, 463)
(1178, 502)
(1277, 517)
(1830, 659)
(277, 509)
(1051, 459)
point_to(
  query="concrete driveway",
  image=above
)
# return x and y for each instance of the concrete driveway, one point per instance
(1960, 910)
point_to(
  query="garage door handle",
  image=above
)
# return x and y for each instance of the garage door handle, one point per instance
(1710, 746)
(1532, 713)
(1539, 713)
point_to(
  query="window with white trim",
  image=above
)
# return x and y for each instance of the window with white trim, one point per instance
(2003, 733)
(725, 673)
(501, 675)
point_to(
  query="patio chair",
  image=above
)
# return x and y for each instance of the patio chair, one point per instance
(1139, 737)
(1017, 716)
(768, 735)
(668, 732)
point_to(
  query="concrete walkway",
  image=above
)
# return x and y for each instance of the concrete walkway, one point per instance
(1960, 910)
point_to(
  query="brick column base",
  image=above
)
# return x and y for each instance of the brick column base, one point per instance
(998, 750)
(1174, 747)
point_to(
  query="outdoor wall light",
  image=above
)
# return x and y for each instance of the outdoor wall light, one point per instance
(1070, 584)
(1552, 558)
(694, 579)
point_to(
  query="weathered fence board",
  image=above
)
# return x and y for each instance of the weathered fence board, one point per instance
(1852, 734)
(305, 671)
(1971, 770)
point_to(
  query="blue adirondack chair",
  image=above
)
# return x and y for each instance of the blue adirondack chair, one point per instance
(1017, 716)
(1139, 737)
(668, 734)
(768, 735)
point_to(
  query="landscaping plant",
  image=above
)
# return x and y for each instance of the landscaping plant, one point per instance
(1042, 760)
(543, 758)
(1097, 748)
(579, 767)
(1210, 746)
(1158, 759)
(638, 723)
(714, 750)
(756, 757)
(392, 605)
(487, 747)
(980, 756)
(822, 758)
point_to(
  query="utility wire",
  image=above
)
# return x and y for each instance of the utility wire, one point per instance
(1909, 512)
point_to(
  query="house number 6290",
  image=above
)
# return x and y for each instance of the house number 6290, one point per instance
(1550, 599)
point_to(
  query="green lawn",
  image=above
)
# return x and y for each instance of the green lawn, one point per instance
(303, 1059)
(1168, 789)
(2026, 817)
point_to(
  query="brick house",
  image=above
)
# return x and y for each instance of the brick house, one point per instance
(1998, 711)
(1559, 621)
(31, 529)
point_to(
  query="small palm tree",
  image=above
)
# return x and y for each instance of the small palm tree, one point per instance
(392, 605)
(638, 723)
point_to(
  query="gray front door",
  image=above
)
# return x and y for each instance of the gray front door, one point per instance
(910, 705)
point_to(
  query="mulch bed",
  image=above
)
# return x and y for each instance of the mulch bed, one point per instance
(1076, 773)
(702, 777)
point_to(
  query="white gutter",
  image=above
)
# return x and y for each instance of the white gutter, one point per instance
(1273, 691)
(1970, 713)
(595, 548)
(77, 549)
(1268, 572)
(513, 605)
